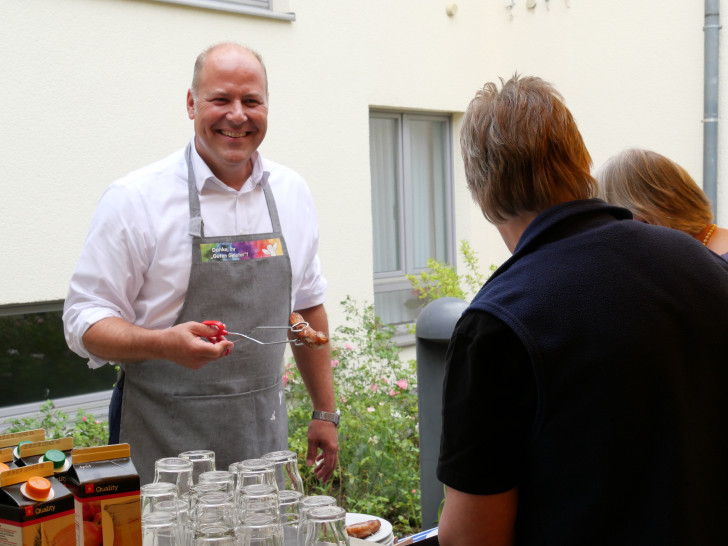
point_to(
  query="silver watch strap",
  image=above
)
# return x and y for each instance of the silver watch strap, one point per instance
(326, 416)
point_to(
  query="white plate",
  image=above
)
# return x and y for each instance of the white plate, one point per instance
(385, 531)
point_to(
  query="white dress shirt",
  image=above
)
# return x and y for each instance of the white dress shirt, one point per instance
(135, 263)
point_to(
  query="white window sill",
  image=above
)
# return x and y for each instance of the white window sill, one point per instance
(234, 8)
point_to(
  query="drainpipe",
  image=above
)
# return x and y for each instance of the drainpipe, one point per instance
(710, 104)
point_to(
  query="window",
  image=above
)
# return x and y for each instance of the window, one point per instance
(411, 169)
(275, 9)
(35, 362)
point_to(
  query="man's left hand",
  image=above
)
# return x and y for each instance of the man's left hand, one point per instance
(322, 435)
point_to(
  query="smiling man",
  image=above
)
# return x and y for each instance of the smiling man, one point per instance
(228, 102)
(214, 231)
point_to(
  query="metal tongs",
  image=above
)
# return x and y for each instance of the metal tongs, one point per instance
(222, 331)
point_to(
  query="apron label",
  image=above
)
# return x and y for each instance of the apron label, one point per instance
(241, 250)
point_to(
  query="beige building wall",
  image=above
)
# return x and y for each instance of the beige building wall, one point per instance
(92, 89)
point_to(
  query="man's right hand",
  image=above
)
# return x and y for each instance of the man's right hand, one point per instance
(117, 340)
(187, 344)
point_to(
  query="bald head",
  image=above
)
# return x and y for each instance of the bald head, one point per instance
(202, 60)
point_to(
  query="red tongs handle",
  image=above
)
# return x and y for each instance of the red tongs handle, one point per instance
(221, 331)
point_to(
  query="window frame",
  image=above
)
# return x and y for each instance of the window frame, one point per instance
(96, 403)
(276, 8)
(394, 280)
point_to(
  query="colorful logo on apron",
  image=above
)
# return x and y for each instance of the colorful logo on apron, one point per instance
(241, 250)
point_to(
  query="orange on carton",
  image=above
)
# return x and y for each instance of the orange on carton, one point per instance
(35, 508)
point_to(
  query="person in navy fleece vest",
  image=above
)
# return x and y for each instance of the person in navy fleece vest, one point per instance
(584, 395)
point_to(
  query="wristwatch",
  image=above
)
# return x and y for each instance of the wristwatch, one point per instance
(326, 416)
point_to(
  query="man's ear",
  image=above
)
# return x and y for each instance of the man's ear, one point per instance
(190, 104)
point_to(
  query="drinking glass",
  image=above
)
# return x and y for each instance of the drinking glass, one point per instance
(325, 525)
(153, 493)
(223, 478)
(174, 470)
(233, 469)
(288, 512)
(252, 471)
(179, 508)
(160, 529)
(214, 508)
(203, 460)
(315, 501)
(261, 530)
(215, 535)
(286, 470)
(196, 491)
(258, 498)
(307, 504)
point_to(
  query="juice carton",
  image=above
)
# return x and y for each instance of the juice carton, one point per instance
(13, 439)
(105, 485)
(35, 508)
(6, 459)
(56, 451)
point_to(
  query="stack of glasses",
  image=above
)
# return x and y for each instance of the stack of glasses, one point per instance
(255, 502)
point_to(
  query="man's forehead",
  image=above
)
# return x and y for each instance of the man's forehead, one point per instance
(227, 91)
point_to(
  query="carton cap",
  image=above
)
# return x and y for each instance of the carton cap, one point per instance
(58, 458)
(37, 487)
(16, 452)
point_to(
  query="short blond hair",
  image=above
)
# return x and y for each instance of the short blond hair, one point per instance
(656, 189)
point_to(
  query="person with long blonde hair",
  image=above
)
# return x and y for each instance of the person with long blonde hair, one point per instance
(658, 191)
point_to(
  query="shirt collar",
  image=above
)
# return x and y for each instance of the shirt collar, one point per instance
(204, 175)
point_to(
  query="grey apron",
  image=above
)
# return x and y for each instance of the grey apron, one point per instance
(235, 405)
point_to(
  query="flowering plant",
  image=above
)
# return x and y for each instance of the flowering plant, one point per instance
(376, 395)
(86, 430)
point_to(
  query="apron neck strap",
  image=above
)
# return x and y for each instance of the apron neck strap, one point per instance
(197, 228)
(197, 225)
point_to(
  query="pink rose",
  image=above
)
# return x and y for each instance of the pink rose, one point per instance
(402, 384)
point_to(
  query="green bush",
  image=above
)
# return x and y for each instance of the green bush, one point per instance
(376, 394)
(85, 429)
(441, 280)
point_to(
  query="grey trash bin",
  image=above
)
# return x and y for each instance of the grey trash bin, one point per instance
(434, 328)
